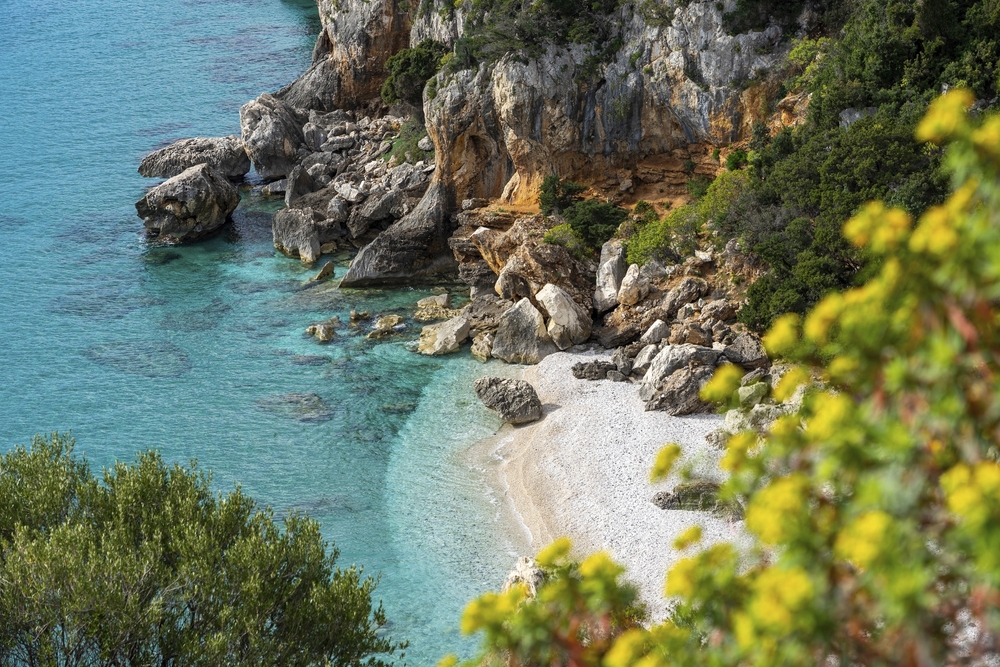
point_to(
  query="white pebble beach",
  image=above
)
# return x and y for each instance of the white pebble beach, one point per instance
(582, 472)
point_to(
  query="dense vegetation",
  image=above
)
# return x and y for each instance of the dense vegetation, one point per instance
(148, 567)
(589, 222)
(494, 28)
(886, 61)
(410, 70)
(874, 508)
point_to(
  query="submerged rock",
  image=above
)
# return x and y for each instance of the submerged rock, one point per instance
(515, 400)
(151, 359)
(226, 154)
(307, 408)
(188, 206)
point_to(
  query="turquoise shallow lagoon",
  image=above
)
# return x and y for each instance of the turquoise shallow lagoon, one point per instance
(186, 349)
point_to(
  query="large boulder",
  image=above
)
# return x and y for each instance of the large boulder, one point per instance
(678, 395)
(413, 247)
(748, 352)
(225, 154)
(295, 234)
(688, 290)
(515, 400)
(671, 359)
(610, 273)
(443, 338)
(569, 324)
(188, 206)
(378, 207)
(527, 573)
(272, 135)
(521, 337)
(635, 286)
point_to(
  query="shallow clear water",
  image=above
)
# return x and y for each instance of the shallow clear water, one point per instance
(190, 349)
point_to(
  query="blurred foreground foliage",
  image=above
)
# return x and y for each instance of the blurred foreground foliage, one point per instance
(148, 567)
(874, 510)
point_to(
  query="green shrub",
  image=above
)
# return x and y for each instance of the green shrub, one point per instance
(698, 186)
(736, 160)
(145, 565)
(564, 235)
(409, 70)
(678, 232)
(405, 144)
(595, 221)
(557, 195)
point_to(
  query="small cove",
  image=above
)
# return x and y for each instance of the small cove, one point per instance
(195, 350)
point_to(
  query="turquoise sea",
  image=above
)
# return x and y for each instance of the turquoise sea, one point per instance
(186, 349)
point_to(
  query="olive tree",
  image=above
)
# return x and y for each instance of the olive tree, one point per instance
(147, 566)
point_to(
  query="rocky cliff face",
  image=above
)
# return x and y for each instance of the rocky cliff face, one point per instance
(632, 124)
(348, 67)
(667, 88)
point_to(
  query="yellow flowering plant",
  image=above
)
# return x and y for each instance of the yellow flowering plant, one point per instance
(874, 511)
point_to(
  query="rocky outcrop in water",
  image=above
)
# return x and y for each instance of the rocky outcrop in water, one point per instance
(189, 206)
(272, 135)
(225, 154)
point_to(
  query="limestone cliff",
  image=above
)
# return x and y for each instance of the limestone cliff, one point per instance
(667, 88)
(348, 68)
(633, 122)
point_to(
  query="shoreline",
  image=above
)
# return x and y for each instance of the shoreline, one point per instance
(582, 472)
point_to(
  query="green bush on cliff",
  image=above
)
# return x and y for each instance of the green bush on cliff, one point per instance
(146, 566)
(678, 232)
(409, 70)
(557, 195)
(595, 221)
(564, 235)
(495, 28)
(893, 57)
(873, 510)
(405, 147)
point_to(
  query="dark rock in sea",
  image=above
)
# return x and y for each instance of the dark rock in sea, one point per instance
(188, 206)
(225, 154)
(305, 408)
(151, 359)
(295, 234)
(402, 408)
(515, 400)
(157, 257)
(309, 360)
